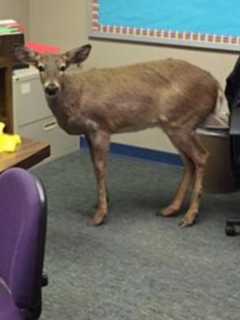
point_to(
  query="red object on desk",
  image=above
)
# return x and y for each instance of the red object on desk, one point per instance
(43, 48)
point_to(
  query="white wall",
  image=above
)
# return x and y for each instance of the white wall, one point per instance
(64, 23)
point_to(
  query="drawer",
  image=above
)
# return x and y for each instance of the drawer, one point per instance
(29, 102)
(47, 130)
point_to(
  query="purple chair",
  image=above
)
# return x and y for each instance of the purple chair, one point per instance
(23, 216)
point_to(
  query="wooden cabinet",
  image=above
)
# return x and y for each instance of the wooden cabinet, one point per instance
(6, 107)
(8, 44)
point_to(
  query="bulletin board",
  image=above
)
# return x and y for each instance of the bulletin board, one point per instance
(208, 24)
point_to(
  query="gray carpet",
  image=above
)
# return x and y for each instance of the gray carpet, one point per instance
(137, 266)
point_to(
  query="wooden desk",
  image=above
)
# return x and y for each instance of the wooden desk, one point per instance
(28, 154)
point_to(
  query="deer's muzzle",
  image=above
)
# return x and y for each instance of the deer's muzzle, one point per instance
(51, 89)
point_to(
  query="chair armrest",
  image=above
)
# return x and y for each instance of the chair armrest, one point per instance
(235, 121)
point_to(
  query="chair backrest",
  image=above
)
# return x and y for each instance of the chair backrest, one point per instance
(22, 235)
(232, 92)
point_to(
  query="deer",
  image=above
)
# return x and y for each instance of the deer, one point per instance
(170, 94)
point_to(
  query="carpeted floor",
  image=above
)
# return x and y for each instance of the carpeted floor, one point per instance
(138, 266)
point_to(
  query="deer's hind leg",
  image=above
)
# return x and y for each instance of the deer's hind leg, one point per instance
(188, 143)
(199, 157)
(185, 184)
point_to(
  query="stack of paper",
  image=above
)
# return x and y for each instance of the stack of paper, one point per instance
(8, 27)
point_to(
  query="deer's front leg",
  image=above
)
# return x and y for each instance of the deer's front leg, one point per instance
(99, 147)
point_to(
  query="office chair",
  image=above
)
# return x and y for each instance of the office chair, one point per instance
(232, 92)
(23, 218)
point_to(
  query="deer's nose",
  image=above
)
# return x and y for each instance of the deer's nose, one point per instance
(51, 89)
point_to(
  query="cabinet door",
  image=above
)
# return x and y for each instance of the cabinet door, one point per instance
(47, 130)
(29, 100)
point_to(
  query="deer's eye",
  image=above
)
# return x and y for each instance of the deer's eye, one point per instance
(41, 68)
(62, 68)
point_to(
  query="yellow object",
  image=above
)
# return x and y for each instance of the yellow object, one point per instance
(8, 142)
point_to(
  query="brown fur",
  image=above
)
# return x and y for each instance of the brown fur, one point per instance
(172, 94)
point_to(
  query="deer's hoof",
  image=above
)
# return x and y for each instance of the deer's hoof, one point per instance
(188, 221)
(98, 219)
(169, 211)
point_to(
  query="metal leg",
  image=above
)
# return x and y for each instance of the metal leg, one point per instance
(230, 228)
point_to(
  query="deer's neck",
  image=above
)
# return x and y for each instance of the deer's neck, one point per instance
(66, 107)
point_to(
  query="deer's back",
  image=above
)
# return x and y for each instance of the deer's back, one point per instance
(135, 97)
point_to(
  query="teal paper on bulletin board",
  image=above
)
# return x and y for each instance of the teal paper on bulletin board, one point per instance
(203, 23)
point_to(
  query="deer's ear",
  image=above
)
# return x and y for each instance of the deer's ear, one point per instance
(26, 55)
(77, 56)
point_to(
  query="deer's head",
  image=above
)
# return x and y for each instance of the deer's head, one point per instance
(52, 67)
